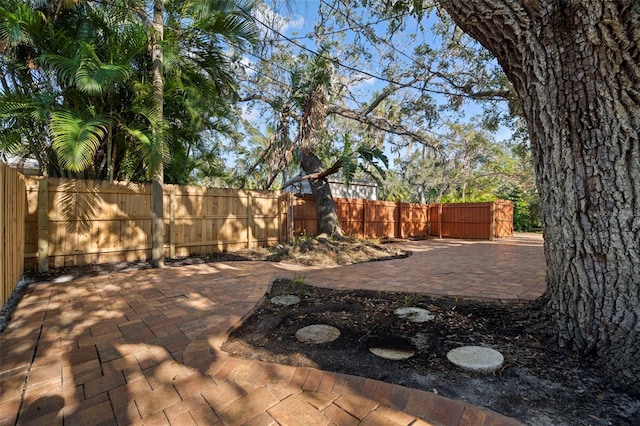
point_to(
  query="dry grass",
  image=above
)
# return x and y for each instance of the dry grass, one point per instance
(323, 251)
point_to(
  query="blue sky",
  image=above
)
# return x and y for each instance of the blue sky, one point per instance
(298, 20)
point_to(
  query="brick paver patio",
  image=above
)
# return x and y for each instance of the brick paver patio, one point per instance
(143, 347)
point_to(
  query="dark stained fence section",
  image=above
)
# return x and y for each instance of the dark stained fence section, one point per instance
(385, 219)
(415, 219)
(472, 220)
(381, 219)
(469, 220)
(350, 214)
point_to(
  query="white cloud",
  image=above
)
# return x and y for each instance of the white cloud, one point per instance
(248, 66)
(251, 114)
(281, 23)
(296, 24)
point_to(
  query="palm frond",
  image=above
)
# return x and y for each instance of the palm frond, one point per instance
(65, 67)
(18, 25)
(151, 149)
(76, 139)
(11, 140)
(94, 81)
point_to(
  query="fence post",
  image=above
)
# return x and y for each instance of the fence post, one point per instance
(290, 230)
(172, 222)
(43, 224)
(493, 221)
(364, 219)
(286, 218)
(439, 220)
(399, 232)
(249, 219)
(427, 215)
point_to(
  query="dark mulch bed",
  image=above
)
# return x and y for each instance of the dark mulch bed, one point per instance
(539, 383)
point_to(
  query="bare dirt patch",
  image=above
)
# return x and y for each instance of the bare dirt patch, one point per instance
(323, 251)
(539, 384)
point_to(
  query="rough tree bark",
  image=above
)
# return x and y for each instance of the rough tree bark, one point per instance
(312, 123)
(576, 68)
(157, 208)
(325, 206)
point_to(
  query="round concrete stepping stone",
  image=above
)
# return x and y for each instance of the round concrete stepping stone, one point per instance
(392, 354)
(414, 314)
(317, 333)
(476, 358)
(285, 300)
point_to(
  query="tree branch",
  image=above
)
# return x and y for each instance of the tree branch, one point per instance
(382, 123)
(386, 93)
(480, 95)
(330, 171)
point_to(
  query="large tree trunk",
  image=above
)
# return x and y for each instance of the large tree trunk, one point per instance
(312, 123)
(576, 68)
(325, 206)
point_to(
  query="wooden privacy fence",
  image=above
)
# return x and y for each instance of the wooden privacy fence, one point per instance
(71, 222)
(12, 212)
(472, 220)
(385, 219)
(365, 218)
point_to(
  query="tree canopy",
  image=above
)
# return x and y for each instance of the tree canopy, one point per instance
(78, 95)
(235, 82)
(77, 91)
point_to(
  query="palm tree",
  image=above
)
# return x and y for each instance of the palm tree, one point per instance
(79, 88)
(26, 92)
(91, 94)
(199, 49)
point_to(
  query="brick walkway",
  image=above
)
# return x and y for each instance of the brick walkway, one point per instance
(143, 347)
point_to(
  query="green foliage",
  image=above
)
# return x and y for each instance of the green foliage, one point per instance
(76, 138)
(303, 237)
(364, 159)
(526, 210)
(297, 283)
(76, 91)
(410, 300)
(395, 188)
(85, 71)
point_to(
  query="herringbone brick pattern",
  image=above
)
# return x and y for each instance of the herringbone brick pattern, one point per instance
(143, 347)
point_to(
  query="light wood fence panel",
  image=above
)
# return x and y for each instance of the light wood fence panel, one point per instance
(12, 213)
(207, 220)
(503, 219)
(88, 222)
(97, 222)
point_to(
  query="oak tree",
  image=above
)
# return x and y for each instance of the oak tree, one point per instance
(575, 66)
